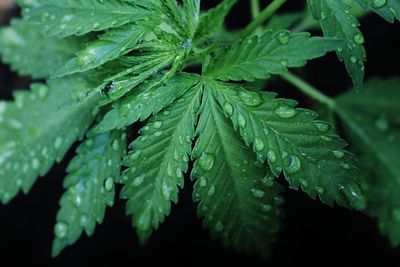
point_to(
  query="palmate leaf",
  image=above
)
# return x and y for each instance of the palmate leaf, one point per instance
(36, 130)
(147, 99)
(372, 119)
(337, 21)
(387, 9)
(157, 161)
(238, 199)
(111, 45)
(293, 141)
(257, 57)
(27, 51)
(77, 17)
(90, 187)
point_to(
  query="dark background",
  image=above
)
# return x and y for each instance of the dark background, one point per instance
(311, 233)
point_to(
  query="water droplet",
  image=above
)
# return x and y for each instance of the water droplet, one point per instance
(323, 16)
(345, 166)
(251, 99)
(265, 207)
(109, 184)
(166, 191)
(136, 155)
(115, 145)
(58, 142)
(35, 163)
(379, 3)
(61, 230)
(284, 155)
(271, 156)
(322, 126)
(285, 111)
(303, 182)
(353, 59)
(320, 190)
(228, 108)
(382, 124)
(211, 192)
(338, 153)
(158, 133)
(242, 121)
(258, 144)
(340, 50)
(206, 161)
(83, 221)
(257, 193)
(353, 196)
(138, 180)
(295, 164)
(283, 37)
(358, 38)
(169, 170)
(268, 180)
(219, 226)
(326, 138)
(157, 124)
(203, 182)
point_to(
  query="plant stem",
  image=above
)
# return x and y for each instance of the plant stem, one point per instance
(262, 17)
(309, 89)
(255, 8)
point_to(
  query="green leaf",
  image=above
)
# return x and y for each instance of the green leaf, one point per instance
(337, 21)
(307, 150)
(372, 119)
(89, 187)
(36, 130)
(257, 57)
(28, 52)
(387, 9)
(149, 98)
(111, 45)
(78, 17)
(156, 163)
(213, 20)
(238, 199)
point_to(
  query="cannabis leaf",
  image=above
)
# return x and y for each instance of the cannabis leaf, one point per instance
(337, 21)
(90, 187)
(257, 57)
(293, 141)
(372, 118)
(110, 45)
(148, 99)
(77, 17)
(238, 199)
(28, 52)
(157, 161)
(36, 130)
(387, 9)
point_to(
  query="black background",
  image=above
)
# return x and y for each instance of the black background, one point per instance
(311, 233)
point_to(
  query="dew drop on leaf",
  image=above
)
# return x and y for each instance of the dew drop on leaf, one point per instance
(138, 180)
(109, 184)
(358, 38)
(379, 3)
(278, 200)
(303, 182)
(283, 37)
(271, 156)
(338, 153)
(242, 121)
(322, 126)
(206, 161)
(355, 199)
(211, 192)
(219, 226)
(320, 190)
(83, 221)
(257, 192)
(251, 99)
(157, 124)
(258, 144)
(61, 230)
(265, 207)
(294, 165)
(202, 182)
(285, 111)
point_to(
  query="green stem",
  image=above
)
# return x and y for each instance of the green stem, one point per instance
(255, 8)
(309, 90)
(260, 19)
